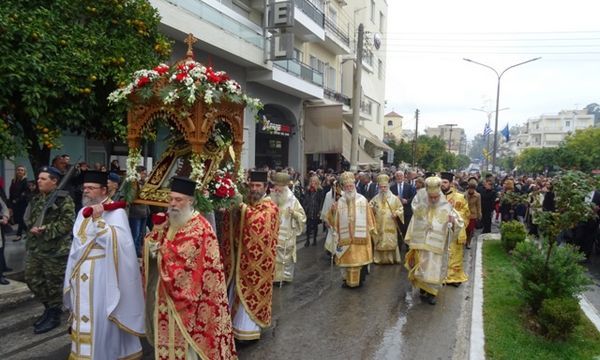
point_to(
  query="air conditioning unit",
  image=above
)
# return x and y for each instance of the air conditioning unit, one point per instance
(342, 2)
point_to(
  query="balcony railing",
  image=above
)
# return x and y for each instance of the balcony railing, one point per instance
(218, 18)
(311, 11)
(336, 96)
(300, 70)
(341, 34)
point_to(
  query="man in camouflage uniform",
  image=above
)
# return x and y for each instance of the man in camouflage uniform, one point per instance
(48, 247)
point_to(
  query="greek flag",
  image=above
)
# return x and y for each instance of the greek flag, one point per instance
(487, 130)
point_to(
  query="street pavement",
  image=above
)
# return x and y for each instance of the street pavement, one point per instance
(313, 317)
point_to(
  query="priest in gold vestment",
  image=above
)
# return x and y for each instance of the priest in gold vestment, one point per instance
(291, 224)
(389, 214)
(352, 220)
(187, 312)
(456, 274)
(433, 226)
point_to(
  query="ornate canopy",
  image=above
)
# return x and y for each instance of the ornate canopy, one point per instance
(205, 133)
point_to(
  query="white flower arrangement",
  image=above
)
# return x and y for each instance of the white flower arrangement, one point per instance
(133, 160)
(197, 173)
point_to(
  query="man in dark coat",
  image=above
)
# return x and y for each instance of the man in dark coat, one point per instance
(405, 191)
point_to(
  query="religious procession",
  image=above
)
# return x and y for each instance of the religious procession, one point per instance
(242, 195)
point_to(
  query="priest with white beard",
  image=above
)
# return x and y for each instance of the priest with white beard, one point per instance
(352, 219)
(389, 214)
(103, 286)
(292, 220)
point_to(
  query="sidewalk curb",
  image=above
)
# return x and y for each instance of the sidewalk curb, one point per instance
(590, 311)
(477, 341)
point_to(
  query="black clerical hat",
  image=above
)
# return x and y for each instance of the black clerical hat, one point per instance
(183, 185)
(258, 176)
(447, 176)
(95, 176)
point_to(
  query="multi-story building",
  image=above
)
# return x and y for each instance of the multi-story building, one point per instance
(306, 94)
(393, 126)
(549, 130)
(455, 137)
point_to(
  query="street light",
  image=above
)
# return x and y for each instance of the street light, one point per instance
(499, 75)
(487, 137)
(450, 138)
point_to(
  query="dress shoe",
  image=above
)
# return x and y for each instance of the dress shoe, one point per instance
(454, 284)
(307, 243)
(7, 269)
(431, 300)
(51, 322)
(3, 281)
(315, 242)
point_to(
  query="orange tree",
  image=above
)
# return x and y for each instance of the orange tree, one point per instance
(60, 60)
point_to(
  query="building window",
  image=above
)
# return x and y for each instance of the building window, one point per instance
(380, 69)
(378, 113)
(381, 23)
(368, 57)
(366, 106)
(333, 15)
(390, 123)
(568, 123)
(298, 55)
(330, 77)
(373, 11)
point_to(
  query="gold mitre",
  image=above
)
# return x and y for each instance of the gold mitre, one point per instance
(383, 179)
(433, 185)
(281, 178)
(347, 178)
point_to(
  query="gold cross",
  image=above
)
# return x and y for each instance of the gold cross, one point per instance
(190, 40)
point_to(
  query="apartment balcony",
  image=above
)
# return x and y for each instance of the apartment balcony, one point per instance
(336, 96)
(336, 39)
(219, 29)
(309, 21)
(291, 77)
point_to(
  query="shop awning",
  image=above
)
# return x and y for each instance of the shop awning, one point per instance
(370, 137)
(323, 129)
(325, 133)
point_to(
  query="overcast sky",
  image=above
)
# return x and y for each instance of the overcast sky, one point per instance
(427, 41)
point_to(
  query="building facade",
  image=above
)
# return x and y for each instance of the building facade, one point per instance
(454, 137)
(393, 126)
(549, 130)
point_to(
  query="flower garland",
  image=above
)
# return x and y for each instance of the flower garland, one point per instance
(132, 176)
(187, 82)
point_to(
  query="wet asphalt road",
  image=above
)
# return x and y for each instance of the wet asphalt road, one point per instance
(315, 318)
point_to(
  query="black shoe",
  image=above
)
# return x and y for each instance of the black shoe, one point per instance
(315, 242)
(3, 280)
(52, 321)
(307, 243)
(42, 318)
(7, 269)
(454, 284)
(431, 299)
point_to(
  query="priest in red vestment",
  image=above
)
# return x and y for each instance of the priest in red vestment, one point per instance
(186, 295)
(248, 252)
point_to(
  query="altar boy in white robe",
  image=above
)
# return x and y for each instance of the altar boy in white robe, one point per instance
(103, 287)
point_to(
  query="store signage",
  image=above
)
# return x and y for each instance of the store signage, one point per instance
(274, 128)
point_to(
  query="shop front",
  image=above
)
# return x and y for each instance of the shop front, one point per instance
(273, 132)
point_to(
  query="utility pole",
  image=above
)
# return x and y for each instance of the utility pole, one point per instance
(414, 162)
(356, 98)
